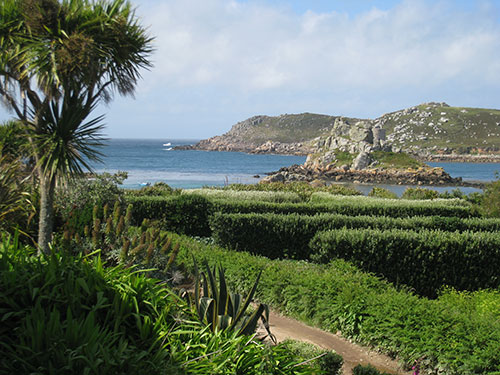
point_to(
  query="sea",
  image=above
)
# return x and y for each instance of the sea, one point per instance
(148, 161)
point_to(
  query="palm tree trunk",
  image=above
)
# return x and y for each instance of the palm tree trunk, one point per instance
(46, 221)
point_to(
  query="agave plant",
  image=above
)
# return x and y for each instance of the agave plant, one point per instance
(219, 309)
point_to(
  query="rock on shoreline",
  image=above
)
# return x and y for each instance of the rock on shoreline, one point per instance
(269, 147)
(420, 176)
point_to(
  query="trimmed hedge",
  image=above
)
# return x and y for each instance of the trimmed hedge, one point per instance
(288, 236)
(185, 214)
(263, 196)
(352, 206)
(456, 334)
(425, 260)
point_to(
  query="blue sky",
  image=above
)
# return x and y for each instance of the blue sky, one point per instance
(218, 62)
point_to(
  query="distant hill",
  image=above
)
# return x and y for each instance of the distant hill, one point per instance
(437, 127)
(434, 128)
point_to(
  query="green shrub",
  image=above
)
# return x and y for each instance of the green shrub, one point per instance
(331, 363)
(72, 315)
(453, 334)
(419, 194)
(187, 214)
(75, 200)
(425, 260)
(263, 196)
(382, 193)
(65, 315)
(326, 360)
(288, 236)
(219, 309)
(15, 201)
(270, 235)
(303, 189)
(362, 205)
(490, 202)
(158, 189)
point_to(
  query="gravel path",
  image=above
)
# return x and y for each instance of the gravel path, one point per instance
(286, 328)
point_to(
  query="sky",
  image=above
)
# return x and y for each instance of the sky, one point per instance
(217, 62)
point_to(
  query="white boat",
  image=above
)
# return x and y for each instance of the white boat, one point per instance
(168, 149)
(167, 144)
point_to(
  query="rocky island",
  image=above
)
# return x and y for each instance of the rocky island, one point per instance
(388, 149)
(361, 153)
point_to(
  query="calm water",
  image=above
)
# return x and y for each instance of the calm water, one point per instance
(150, 161)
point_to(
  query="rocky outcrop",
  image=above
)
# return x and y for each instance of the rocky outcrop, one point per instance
(271, 147)
(428, 128)
(420, 176)
(362, 161)
(284, 134)
(455, 158)
(359, 138)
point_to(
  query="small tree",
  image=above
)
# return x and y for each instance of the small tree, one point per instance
(59, 59)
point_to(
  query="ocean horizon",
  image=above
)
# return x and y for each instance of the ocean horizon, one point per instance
(148, 161)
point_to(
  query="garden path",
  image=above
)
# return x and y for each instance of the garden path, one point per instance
(286, 328)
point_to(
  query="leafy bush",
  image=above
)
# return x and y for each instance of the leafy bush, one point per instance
(72, 315)
(303, 189)
(326, 360)
(76, 199)
(145, 247)
(14, 145)
(263, 196)
(220, 309)
(454, 334)
(158, 189)
(419, 193)
(363, 205)
(425, 260)
(490, 202)
(102, 320)
(15, 199)
(190, 214)
(186, 214)
(288, 236)
(382, 193)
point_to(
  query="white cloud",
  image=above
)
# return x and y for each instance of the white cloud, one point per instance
(254, 47)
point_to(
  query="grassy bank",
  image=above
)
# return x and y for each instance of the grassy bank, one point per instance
(457, 333)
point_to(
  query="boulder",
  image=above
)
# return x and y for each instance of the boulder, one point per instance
(362, 161)
(361, 132)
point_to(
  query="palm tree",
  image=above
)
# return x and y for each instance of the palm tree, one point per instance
(59, 59)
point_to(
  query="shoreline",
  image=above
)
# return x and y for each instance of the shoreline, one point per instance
(454, 158)
(432, 177)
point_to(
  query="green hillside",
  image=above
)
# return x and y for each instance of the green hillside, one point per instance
(437, 126)
(286, 128)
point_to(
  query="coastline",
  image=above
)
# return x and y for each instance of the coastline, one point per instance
(432, 177)
(456, 158)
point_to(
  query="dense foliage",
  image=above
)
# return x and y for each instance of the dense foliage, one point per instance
(190, 213)
(59, 61)
(303, 189)
(75, 200)
(62, 314)
(186, 214)
(419, 194)
(455, 334)
(288, 236)
(425, 260)
(16, 206)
